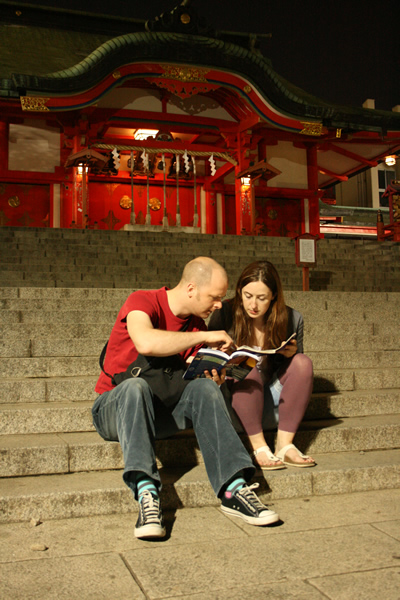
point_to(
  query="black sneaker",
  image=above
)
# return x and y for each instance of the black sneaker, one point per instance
(246, 505)
(150, 521)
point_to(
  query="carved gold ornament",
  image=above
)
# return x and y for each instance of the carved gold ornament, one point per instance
(311, 128)
(34, 103)
(116, 74)
(183, 82)
(155, 204)
(186, 74)
(247, 89)
(125, 202)
(14, 201)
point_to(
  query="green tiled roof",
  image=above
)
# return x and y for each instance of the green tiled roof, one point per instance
(56, 61)
(39, 50)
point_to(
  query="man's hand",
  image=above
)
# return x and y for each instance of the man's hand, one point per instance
(219, 340)
(289, 350)
(158, 342)
(219, 378)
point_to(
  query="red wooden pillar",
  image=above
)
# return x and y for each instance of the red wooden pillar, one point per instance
(238, 202)
(311, 207)
(4, 132)
(211, 212)
(221, 228)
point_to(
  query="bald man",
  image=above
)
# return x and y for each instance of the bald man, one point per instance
(168, 322)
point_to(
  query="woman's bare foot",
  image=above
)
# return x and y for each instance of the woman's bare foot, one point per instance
(293, 456)
(265, 459)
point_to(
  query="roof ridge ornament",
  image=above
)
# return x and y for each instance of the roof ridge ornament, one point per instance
(181, 19)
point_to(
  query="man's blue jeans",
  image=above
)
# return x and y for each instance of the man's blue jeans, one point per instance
(129, 414)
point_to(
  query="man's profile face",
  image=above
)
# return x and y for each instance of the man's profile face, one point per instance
(209, 297)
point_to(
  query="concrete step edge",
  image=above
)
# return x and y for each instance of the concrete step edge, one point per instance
(85, 494)
(83, 449)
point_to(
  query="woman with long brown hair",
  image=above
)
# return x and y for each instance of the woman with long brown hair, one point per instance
(258, 317)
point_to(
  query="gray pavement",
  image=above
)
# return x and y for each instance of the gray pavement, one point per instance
(338, 547)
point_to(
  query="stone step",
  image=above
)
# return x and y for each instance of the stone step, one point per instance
(349, 339)
(225, 243)
(290, 284)
(58, 417)
(334, 380)
(68, 253)
(67, 366)
(98, 493)
(123, 261)
(52, 389)
(357, 307)
(68, 316)
(356, 359)
(356, 403)
(37, 311)
(348, 349)
(30, 332)
(325, 303)
(46, 417)
(322, 301)
(46, 347)
(94, 282)
(79, 294)
(25, 455)
(325, 380)
(137, 237)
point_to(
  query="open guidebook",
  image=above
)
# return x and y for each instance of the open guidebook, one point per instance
(238, 364)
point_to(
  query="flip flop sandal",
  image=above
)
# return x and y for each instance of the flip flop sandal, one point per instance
(291, 463)
(270, 457)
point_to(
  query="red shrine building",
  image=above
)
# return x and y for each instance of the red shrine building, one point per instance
(174, 126)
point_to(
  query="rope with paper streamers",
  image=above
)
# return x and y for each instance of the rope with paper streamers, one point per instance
(145, 158)
(186, 160)
(212, 164)
(223, 155)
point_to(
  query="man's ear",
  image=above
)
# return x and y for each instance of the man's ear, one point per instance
(191, 290)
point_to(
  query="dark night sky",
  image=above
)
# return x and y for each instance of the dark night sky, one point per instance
(343, 51)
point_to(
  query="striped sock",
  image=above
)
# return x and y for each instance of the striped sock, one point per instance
(143, 483)
(235, 485)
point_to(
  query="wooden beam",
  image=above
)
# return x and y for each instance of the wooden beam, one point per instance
(352, 155)
(248, 123)
(220, 173)
(332, 174)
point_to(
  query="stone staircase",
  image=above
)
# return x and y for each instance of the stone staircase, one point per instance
(55, 465)
(121, 259)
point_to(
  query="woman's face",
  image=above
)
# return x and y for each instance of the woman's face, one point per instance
(256, 298)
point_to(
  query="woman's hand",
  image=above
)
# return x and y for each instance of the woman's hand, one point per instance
(219, 378)
(289, 350)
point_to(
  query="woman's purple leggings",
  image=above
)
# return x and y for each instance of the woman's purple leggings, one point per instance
(248, 396)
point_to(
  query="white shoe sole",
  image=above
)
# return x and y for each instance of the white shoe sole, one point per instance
(150, 531)
(267, 519)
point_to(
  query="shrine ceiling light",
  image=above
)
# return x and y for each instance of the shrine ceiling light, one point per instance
(390, 160)
(144, 134)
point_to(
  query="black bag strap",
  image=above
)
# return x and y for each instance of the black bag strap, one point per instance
(101, 361)
(103, 352)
